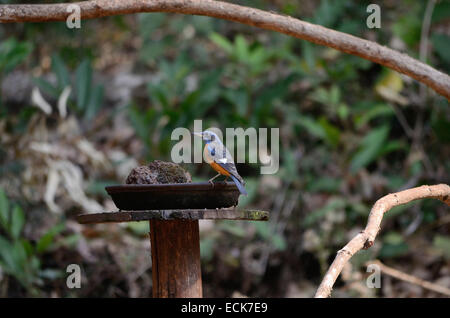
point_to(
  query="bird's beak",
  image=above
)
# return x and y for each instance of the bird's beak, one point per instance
(199, 134)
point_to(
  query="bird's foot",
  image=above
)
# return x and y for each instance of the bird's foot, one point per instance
(211, 180)
(212, 183)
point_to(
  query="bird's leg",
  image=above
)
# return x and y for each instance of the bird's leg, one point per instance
(211, 180)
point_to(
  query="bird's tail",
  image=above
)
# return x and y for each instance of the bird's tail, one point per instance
(239, 185)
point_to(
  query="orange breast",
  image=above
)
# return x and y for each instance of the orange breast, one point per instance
(219, 169)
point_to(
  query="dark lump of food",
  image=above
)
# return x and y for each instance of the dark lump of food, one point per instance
(158, 172)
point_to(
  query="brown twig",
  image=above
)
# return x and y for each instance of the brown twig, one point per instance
(411, 279)
(424, 38)
(347, 43)
(366, 237)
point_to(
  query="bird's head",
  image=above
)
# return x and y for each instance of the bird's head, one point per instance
(207, 136)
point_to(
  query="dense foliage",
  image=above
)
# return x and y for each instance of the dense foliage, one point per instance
(80, 108)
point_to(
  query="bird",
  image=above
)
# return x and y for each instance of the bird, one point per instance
(220, 159)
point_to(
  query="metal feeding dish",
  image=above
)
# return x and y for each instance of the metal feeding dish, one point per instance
(201, 195)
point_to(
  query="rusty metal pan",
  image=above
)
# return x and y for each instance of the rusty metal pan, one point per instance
(202, 195)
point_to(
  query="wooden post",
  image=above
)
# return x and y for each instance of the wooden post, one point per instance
(175, 248)
(175, 243)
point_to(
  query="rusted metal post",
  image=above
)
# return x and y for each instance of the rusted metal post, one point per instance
(175, 249)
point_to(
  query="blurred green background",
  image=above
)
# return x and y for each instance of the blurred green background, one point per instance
(80, 108)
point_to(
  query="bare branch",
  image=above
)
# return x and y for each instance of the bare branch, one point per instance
(366, 238)
(424, 37)
(411, 279)
(369, 50)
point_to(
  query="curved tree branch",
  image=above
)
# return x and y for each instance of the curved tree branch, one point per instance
(369, 50)
(366, 238)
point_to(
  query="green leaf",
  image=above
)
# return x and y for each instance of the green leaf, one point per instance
(69, 241)
(241, 49)
(441, 44)
(324, 184)
(19, 254)
(343, 111)
(392, 145)
(13, 53)
(46, 87)
(441, 127)
(309, 56)
(441, 11)
(393, 238)
(392, 251)
(150, 22)
(370, 148)
(279, 242)
(29, 249)
(238, 98)
(4, 210)
(17, 222)
(393, 246)
(263, 229)
(46, 240)
(322, 129)
(442, 243)
(321, 95)
(394, 183)
(142, 121)
(95, 102)
(258, 57)
(408, 27)
(315, 216)
(329, 12)
(375, 111)
(61, 71)
(312, 126)
(335, 95)
(159, 94)
(6, 256)
(332, 133)
(83, 84)
(289, 168)
(222, 42)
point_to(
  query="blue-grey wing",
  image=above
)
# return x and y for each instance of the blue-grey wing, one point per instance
(223, 158)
